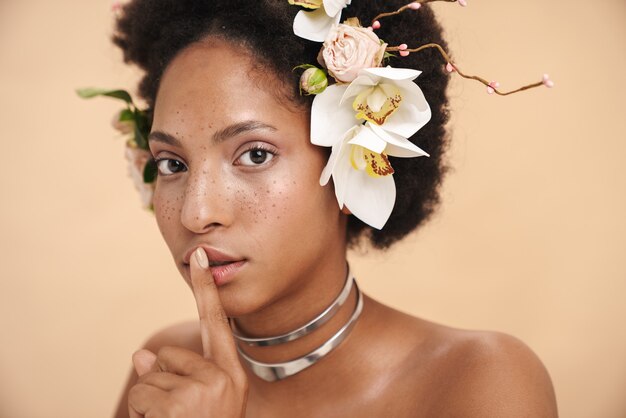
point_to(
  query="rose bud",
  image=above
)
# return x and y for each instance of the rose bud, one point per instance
(313, 81)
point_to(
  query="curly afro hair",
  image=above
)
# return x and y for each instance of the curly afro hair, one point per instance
(152, 32)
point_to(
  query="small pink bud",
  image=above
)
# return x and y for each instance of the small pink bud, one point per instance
(116, 6)
(404, 53)
(402, 47)
(376, 25)
(492, 87)
(414, 6)
(463, 3)
(450, 68)
(547, 82)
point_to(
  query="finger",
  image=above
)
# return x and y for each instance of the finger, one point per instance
(141, 398)
(144, 361)
(217, 339)
(163, 380)
(183, 362)
(179, 360)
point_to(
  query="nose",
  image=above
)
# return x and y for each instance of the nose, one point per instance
(205, 206)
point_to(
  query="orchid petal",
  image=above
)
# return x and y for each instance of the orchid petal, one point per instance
(376, 99)
(412, 115)
(329, 120)
(370, 199)
(357, 85)
(314, 25)
(397, 146)
(342, 167)
(407, 120)
(393, 73)
(333, 7)
(367, 138)
(340, 178)
(337, 152)
(332, 162)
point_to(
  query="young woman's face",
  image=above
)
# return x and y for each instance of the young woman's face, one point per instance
(238, 175)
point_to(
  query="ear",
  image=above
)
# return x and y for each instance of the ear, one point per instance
(345, 210)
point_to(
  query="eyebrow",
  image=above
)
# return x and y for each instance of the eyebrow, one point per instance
(218, 137)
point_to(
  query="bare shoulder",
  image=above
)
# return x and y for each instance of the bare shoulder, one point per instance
(493, 374)
(441, 371)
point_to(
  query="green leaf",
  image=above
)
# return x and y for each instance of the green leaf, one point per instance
(142, 129)
(89, 92)
(140, 139)
(150, 171)
(127, 115)
(303, 66)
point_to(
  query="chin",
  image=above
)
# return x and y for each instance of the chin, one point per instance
(239, 302)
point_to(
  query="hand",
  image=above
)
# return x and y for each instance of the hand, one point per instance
(177, 382)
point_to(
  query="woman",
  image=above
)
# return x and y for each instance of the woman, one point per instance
(244, 201)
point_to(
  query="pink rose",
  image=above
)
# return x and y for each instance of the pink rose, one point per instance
(348, 49)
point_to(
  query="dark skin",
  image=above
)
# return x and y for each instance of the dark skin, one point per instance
(391, 365)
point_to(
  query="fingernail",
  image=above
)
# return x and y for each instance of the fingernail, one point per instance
(201, 258)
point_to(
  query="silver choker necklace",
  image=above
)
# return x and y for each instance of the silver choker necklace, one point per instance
(272, 372)
(305, 329)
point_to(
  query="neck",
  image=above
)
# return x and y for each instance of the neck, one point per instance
(297, 308)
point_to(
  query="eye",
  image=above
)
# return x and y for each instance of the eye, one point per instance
(256, 155)
(169, 166)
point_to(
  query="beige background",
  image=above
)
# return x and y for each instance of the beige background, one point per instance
(529, 240)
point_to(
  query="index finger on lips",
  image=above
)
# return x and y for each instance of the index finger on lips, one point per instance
(217, 339)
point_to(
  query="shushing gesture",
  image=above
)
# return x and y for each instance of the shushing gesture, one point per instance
(178, 382)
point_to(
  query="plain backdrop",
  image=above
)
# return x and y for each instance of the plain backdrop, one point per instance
(529, 240)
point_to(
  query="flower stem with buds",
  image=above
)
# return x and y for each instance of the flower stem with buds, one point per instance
(491, 86)
(413, 6)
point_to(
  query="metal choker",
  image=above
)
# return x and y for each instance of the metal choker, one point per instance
(305, 329)
(272, 372)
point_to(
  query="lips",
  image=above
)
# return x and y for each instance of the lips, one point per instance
(224, 267)
(219, 263)
(216, 257)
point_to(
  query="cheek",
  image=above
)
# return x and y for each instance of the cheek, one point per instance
(262, 201)
(167, 207)
(291, 201)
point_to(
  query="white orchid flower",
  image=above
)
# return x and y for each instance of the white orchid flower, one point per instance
(384, 97)
(362, 174)
(389, 98)
(316, 24)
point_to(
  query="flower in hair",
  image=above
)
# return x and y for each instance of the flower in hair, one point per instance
(133, 122)
(313, 80)
(349, 48)
(314, 25)
(362, 174)
(385, 97)
(137, 160)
